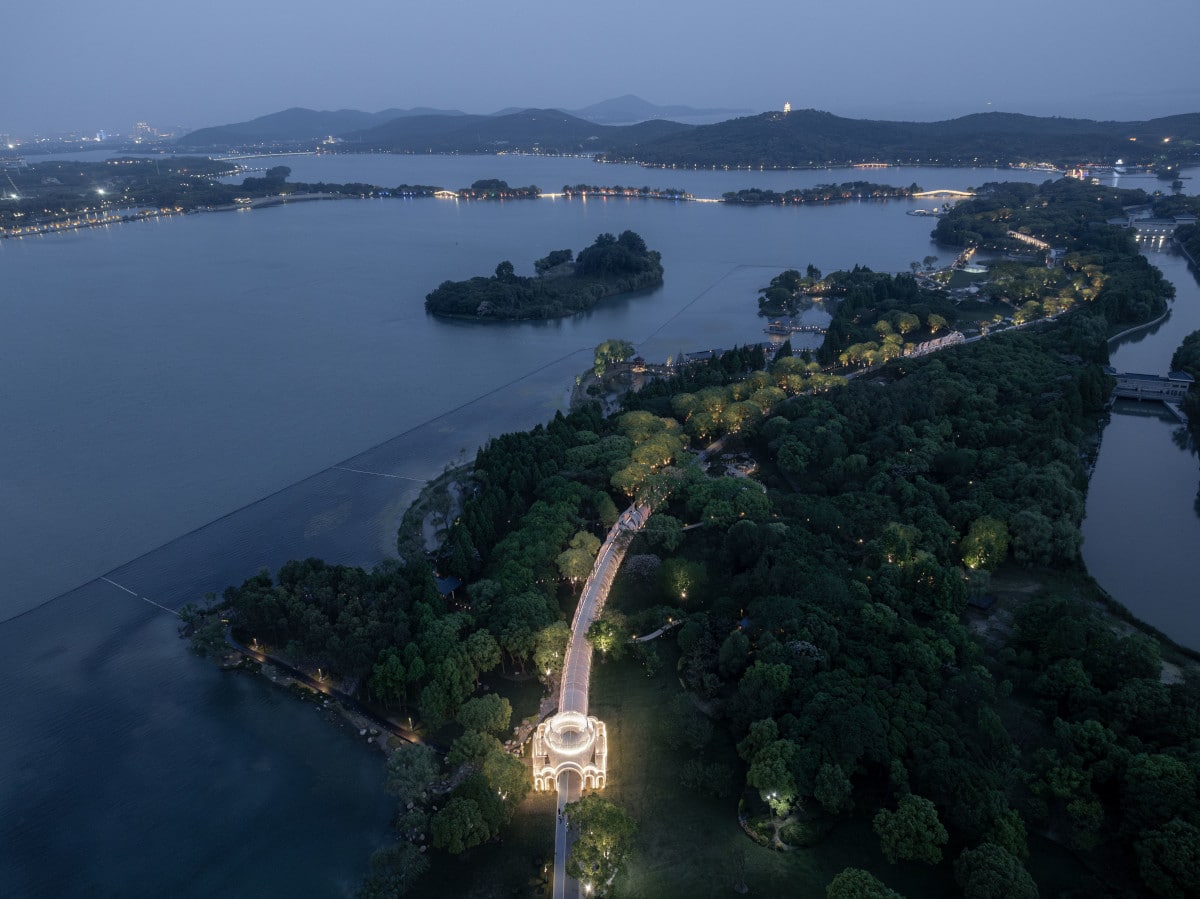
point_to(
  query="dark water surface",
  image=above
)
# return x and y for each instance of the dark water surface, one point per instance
(1142, 528)
(156, 377)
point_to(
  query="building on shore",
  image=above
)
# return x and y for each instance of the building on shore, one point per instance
(1169, 389)
(1160, 229)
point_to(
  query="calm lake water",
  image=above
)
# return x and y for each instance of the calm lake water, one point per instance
(188, 400)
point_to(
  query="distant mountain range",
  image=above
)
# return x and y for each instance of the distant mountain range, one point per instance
(799, 139)
(299, 124)
(809, 137)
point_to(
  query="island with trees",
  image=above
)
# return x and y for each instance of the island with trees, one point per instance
(62, 195)
(617, 190)
(496, 189)
(564, 283)
(822, 193)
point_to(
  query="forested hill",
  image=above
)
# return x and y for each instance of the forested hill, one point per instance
(547, 130)
(809, 137)
(300, 124)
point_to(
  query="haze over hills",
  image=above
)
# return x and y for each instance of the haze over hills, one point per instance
(631, 109)
(798, 139)
(298, 123)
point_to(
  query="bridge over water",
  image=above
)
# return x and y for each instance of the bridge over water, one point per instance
(570, 749)
(943, 192)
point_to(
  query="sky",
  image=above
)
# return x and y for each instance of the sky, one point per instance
(86, 65)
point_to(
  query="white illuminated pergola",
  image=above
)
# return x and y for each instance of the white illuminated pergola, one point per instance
(570, 741)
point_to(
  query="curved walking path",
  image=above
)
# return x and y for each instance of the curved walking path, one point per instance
(577, 671)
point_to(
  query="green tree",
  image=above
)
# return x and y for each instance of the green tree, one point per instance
(609, 634)
(490, 714)
(472, 748)
(458, 826)
(664, 532)
(610, 352)
(912, 832)
(1157, 787)
(552, 260)
(410, 771)
(734, 655)
(771, 774)
(833, 789)
(605, 838)
(855, 883)
(208, 635)
(394, 871)
(682, 578)
(389, 680)
(508, 776)
(483, 652)
(1169, 860)
(575, 563)
(991, 872)
(550, 648)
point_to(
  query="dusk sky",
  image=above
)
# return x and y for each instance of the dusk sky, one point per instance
(80, 64)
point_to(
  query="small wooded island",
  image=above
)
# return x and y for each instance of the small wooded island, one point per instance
(564, 284)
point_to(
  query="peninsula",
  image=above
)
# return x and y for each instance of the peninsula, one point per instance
(564, 284)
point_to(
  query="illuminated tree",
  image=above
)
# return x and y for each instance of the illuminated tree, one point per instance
(605, 838)
(609, 634)
(551, 648)
(575, 563)
(608, 353)
(986, 544)
(771, 773)
(681, 578)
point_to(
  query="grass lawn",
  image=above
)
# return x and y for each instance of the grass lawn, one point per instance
(975, 311)
(688, 844)
(523, 695)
